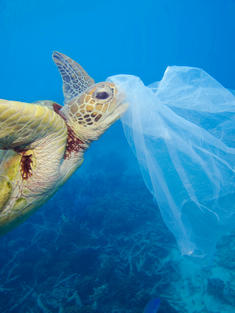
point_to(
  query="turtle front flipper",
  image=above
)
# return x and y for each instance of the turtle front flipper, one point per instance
(32, 145)
(5, 191)
(23, 124)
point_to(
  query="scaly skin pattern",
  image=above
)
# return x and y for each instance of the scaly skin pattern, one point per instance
(42, 144)
(29, 175)
(33, 168)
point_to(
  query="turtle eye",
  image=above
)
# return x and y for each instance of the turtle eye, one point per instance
(102, 95)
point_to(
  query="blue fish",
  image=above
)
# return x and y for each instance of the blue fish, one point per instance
(152, 306)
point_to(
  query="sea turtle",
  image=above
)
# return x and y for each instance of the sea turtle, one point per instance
(43, 143)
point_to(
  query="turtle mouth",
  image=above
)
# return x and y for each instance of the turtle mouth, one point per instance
(120, 96)
(120, 104)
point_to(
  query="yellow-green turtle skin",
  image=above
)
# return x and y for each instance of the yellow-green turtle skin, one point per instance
(42, 143)
(32, 142)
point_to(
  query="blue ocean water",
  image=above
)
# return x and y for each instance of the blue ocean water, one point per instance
(99, 245)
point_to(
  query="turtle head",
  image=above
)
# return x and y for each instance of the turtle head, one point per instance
(89, 108)
(92, 112)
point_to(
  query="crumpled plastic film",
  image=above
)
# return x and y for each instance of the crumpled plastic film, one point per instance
(182, 130)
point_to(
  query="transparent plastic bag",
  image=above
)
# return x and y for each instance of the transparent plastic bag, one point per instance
(182, 132)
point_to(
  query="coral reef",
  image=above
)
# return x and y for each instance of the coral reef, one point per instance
(100, 246)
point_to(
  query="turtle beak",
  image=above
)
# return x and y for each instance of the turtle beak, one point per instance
(121, 104)
(120, 94)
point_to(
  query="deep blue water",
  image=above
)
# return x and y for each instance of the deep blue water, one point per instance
(99, 245)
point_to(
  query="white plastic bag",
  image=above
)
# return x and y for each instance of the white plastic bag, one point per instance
(182, 130)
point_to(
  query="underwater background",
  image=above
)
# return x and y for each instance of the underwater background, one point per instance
(100, 245)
